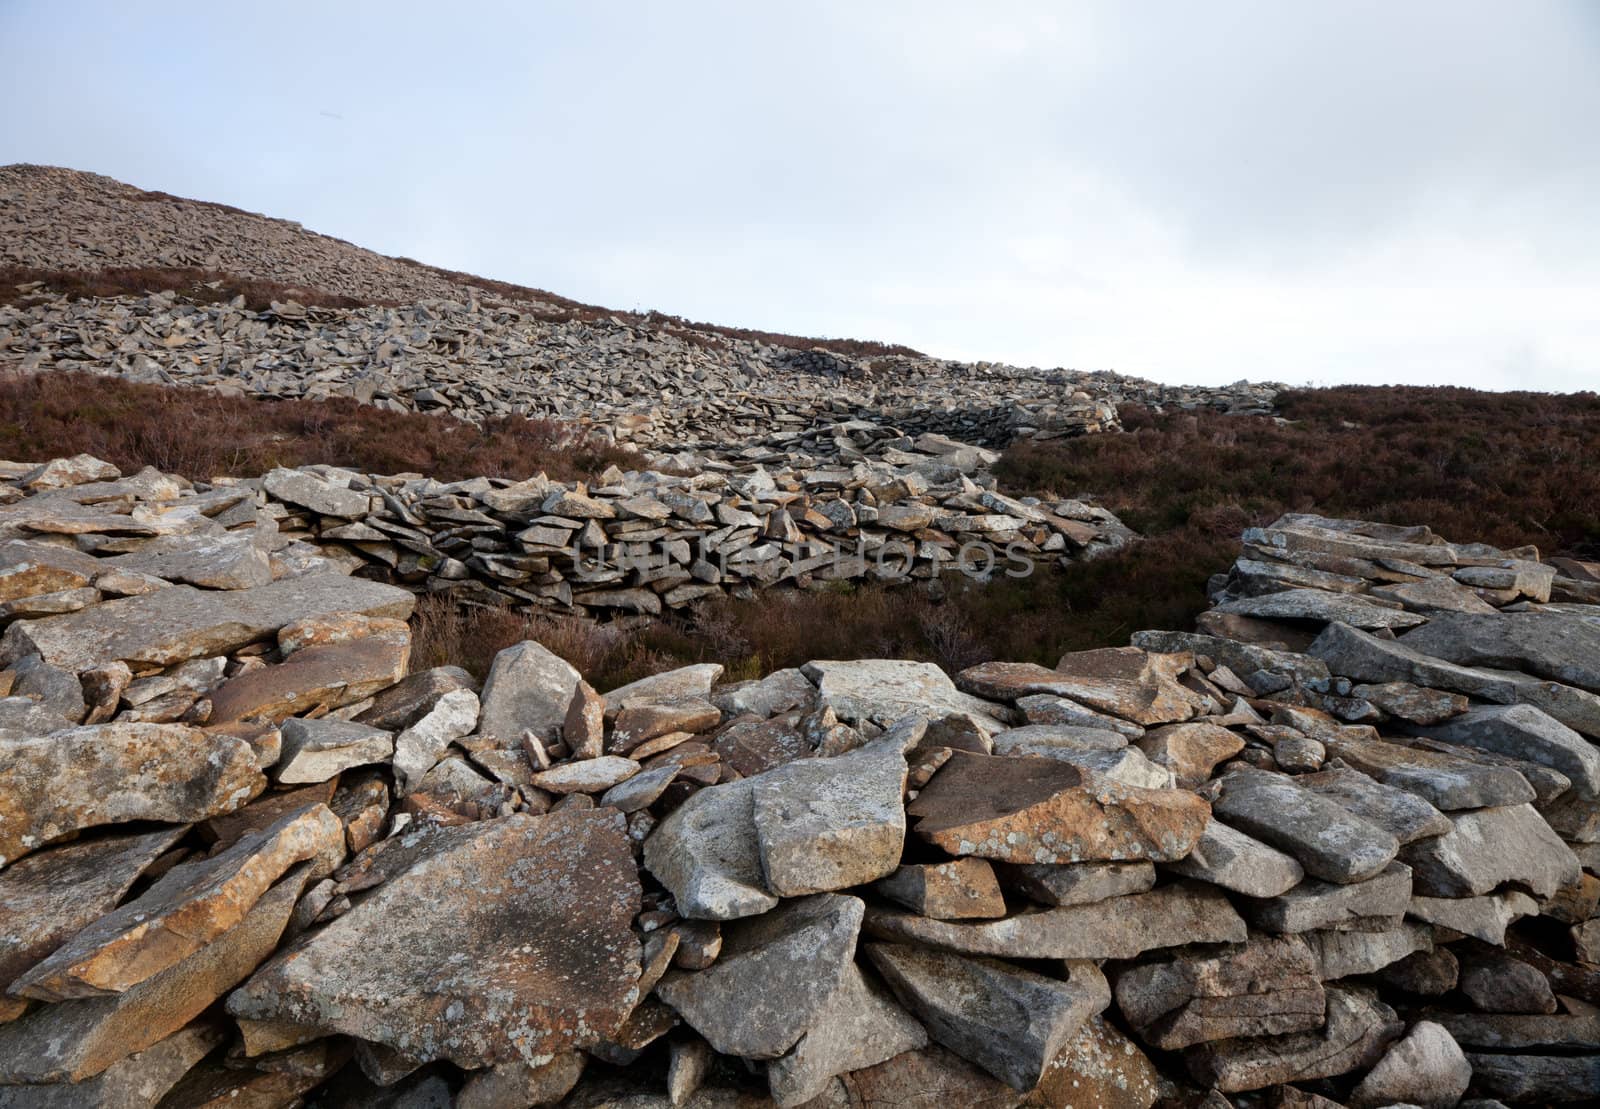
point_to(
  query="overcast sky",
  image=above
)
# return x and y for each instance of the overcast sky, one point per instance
(1195, 192)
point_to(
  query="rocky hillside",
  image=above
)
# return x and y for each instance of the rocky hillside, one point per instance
(1339, 846)
(429, 341)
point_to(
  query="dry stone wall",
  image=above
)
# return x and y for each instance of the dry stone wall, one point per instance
(651, 542)
(1338, 846)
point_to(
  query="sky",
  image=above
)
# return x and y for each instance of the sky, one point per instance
(1311, 192)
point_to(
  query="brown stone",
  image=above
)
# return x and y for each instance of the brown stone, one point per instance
(1041, 810)
(1127, 682)
(962, 890)
(1190, 751)
(508, 940)
(189, 907)
(112, 773)
(48, 897)
(74, 1040)
(329, 675)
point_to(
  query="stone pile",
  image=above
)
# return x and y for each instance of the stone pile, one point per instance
(449, 346)
(1305, 856)
(648, 542)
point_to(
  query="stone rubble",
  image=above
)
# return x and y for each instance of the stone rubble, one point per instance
(438, 342)
(275, 869)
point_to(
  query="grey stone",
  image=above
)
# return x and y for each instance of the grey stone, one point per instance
(1268, 987)
(1447, 782)
(505, 941)
(1485, 918)
(1487, 847)
(1117, 928)
(1313, 904)
(1331, 842)
(1342, 954)
(830, 823)
(1427, 1069)
(424, 742)
(1496, 983)
(1402, 814)
(705, 852)
(1228, 858)
(1538, 1078)
(1358, 1030)
(316, 750)
(774, 978)
(181, 622)
(1548, 645)
(1315, 604)
(858, 1026)
(881, 691)
(528, 690)
(1009, 1021)
(1525, 732)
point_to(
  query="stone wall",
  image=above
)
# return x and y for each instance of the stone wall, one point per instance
(1339, 847)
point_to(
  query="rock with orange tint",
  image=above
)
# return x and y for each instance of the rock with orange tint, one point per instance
(331, 674)
(506, 940)
(188, 907)
(1038, 810)
(1126, 682)
(74, 1040)
(182, 622)
(52, 786)
(48, 897)
(1190, 751)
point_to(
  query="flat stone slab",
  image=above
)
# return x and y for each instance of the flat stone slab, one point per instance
(881, 691)
(1042, 810)
(1358, 1030)
(1444, 781)
(1126, 682)
(101, 774)
(74, 1040)
(1548, 645)
(1009, 1021)
(1485, 918)
(706, 853)
(1314, 904)
(1117, 928)
(1404, 815)
(827, 824)
(316, 750)
(1226, 857)
(181, 622)
(509, 941)
(1268, 987)
(188, 907)
(774, 978)
(47, 898)
(1525, 732)
(138, 1082)
(1330, 841)
(1487, 847)
(1076, 883)
(1317, 604)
